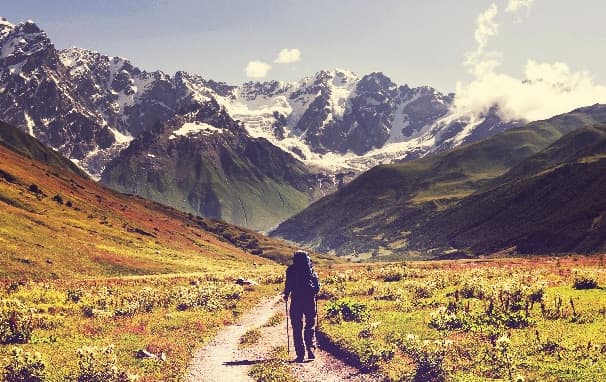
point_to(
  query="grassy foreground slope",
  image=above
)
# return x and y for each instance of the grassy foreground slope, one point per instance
(57, 223)
(90, 277)
(384, 210)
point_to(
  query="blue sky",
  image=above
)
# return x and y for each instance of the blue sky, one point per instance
(414, 42)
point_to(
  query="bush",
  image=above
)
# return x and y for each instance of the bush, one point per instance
(370, 354)
(584, 282)
(24, 367)
(16, 322)
(347, 310)
(442, 319)
(210, 297)
(99, 365)
(428, 357)
(74, 295)
(35, 189)
(57, 198)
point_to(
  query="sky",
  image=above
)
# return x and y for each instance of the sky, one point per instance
(432, 42)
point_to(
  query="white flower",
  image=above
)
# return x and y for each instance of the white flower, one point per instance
(503, 342)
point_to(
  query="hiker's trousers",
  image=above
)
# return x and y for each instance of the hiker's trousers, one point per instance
(303, 308)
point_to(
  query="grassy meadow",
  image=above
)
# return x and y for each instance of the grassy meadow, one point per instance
(93, 330)
(534, 319)
(89, 277)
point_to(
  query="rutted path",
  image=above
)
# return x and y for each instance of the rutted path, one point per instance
(222, 361)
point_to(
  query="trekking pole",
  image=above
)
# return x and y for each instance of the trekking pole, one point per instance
(287, 333)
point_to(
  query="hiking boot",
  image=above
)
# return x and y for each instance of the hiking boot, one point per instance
(299, 359)
(310, 354)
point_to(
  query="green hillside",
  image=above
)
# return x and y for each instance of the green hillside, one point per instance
(552, 202)
(231, 177)
(385, 211)
(22, 143)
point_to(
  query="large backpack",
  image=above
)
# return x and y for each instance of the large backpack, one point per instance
(304, 277)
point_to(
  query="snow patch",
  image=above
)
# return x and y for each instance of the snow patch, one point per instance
(30, 123)
(122, 139)
(190, 128)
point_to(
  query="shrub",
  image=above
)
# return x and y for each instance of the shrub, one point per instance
(7, 176)
(24, 367)
(428, 356)
(584, 282)
(421, 290)
(57, 198)
(16, 322)
(210, 297)
(347, 310)
(35, 189)
(99, 365)
(442, 319)
(74, 295)
(370, 353)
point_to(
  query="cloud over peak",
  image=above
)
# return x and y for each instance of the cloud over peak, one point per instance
(257, 69)
(288, 56)
(546, 89)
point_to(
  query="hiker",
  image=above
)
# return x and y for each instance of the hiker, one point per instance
(302, 286)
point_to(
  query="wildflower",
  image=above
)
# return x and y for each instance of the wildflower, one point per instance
(503, 342)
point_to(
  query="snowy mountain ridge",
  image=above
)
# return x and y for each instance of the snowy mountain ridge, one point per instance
(90, 107)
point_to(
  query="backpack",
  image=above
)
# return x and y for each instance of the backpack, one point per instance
(304, 277)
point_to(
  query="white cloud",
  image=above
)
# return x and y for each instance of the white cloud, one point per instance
(513, 6)
(288, 56)
(486, 27)
(546, 89)
(257, 69)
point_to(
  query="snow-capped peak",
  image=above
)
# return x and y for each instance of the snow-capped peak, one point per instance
(5, 23)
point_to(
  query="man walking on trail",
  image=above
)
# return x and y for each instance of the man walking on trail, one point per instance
(302, 286)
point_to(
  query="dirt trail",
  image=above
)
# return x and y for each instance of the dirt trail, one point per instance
(222, 361)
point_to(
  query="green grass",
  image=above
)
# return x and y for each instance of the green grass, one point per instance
(153, 313)
(275, 369)
(250, 338)
(564, 340)
(274, 320)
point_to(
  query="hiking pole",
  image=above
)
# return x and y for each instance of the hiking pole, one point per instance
(287, 333)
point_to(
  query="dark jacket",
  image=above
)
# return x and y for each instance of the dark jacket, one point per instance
(301, 279)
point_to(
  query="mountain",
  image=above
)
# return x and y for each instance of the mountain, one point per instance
(57, 223)
(24, 144)
(90, 107)
(203, 162)
(552, 202)
(422, 207)
(38, 95)
(337, 121)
